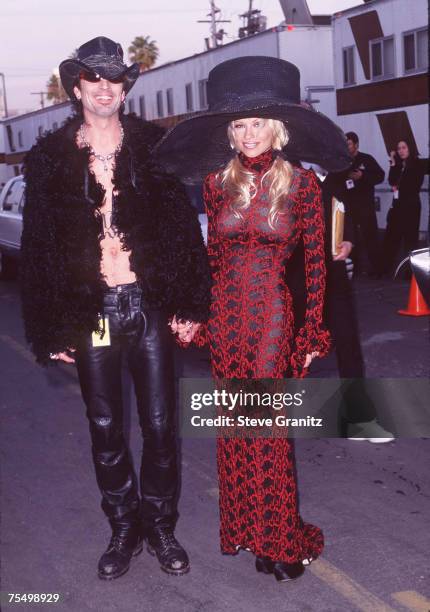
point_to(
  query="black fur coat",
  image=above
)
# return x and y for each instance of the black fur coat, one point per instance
(62, 287)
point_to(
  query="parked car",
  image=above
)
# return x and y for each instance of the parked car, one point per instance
(11, 207)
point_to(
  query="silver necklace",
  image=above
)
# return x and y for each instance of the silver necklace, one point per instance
(103, 158)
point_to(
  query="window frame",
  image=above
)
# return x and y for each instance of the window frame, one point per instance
(354, 76)
(416, 69)
(16, 190)
(203, 84)
(189, 98)
(142, 107)
(159, 104)
(170, 105)
(381, 40)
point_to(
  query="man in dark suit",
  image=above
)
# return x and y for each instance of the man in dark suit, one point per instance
(356, 189)
(357, 416)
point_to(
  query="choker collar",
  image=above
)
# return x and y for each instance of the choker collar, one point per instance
(258, 164)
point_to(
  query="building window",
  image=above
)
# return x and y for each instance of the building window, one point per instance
(20, 142)
(203, 96)
(142, 109)
(348, 66)
(189, 97)
(40, 130)
(382, 58)
(55, 126)
(160, 110)
(415, 50)
(131, 106)
(169, 98)
(9, 133)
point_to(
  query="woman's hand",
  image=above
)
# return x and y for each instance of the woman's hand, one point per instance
(185, 330)
(309, 358)
(64, 356)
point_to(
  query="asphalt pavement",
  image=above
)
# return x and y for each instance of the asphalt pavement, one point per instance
(372, 501)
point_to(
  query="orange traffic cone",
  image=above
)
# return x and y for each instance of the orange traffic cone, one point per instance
(417, 306)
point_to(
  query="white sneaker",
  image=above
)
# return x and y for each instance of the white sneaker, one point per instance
(373, 432)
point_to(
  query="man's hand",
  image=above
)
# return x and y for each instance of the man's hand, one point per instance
(355, 175)
(185, 330)
(63, 356)
(344, 250)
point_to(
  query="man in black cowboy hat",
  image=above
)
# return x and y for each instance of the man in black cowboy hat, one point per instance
(112, 252)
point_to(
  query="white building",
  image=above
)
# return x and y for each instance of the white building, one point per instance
(380, 52)
(18, 134)
(366, 69)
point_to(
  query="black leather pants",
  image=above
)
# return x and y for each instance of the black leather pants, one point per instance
(143, 339)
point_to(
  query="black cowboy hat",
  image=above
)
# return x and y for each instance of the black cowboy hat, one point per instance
(101, 56)
(252, 86)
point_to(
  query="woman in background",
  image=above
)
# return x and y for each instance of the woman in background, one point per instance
(406, 178)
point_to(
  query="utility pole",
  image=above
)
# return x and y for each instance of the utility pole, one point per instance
(253, 22)
(42, 95)
(216, 35)
(4, 95)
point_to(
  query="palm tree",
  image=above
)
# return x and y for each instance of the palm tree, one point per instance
(144, 51)
(55, 89)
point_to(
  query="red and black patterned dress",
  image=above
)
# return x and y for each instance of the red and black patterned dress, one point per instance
(250, 333)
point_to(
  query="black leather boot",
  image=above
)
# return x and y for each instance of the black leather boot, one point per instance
(162, 543)
(282, 571)
(125, 543)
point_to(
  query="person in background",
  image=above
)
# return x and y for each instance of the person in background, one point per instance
(406, 177)
(356, 189)
(357, 412)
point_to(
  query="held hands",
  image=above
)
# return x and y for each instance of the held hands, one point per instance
(344, 250)
(309, 358)
(355, 175)
(63, 356)
(185, 330)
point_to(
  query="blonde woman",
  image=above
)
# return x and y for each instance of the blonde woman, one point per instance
(259, 207)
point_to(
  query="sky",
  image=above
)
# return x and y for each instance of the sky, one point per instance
(36, 35)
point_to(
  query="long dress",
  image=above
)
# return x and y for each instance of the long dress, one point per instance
(250, 333)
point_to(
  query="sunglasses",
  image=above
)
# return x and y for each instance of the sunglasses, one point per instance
(94, 77)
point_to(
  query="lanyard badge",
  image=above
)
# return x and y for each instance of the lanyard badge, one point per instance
(102, 338)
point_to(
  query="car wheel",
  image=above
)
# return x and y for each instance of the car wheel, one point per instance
(8, 267)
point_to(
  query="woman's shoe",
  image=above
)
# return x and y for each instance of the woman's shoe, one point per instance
(288, 571)
(282, 571)
(264, 565)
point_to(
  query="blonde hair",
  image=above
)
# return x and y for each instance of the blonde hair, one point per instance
(239, 183)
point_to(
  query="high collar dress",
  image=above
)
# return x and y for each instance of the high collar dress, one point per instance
(251, 336)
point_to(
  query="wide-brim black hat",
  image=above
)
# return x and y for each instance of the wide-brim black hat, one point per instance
(102, 56)
(252, 86)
